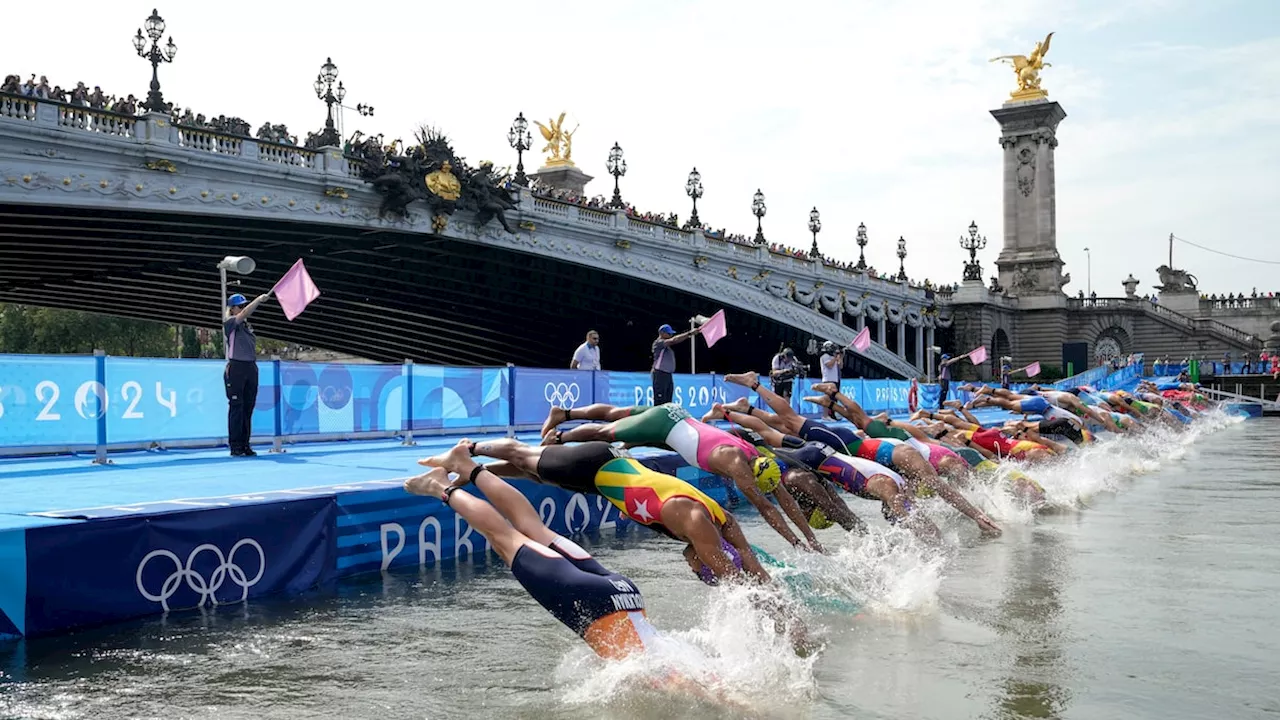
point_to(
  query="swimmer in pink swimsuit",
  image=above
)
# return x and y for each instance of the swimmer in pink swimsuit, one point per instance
(702, 446)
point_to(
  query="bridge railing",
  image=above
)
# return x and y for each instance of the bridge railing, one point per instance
(1202, 325)
(70, 403)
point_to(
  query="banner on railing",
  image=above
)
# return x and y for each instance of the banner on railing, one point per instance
(82, 402)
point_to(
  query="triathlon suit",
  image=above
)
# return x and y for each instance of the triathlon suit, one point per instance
(969, 455)
(603, 607)
(935, 454)
(637, 492)
(877, 429)
(847, 471)
(996, 441)
(1034, 405)
(672, 426)
(814, 431)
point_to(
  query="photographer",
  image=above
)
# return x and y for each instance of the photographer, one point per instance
(784, 370)
(832, 361)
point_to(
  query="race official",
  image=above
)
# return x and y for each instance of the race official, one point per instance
(587, 356)
(241, 374)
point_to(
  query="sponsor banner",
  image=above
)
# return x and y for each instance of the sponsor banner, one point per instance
(177, 400)
(696, 393)
(449, 397)
(108, 570)
(537, 391)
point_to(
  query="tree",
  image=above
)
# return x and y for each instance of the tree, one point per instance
(27, 329)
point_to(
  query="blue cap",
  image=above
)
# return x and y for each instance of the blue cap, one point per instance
(667, 329)
(946, 356)
(236, 300)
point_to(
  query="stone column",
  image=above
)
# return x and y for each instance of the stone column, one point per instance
(902, 337)
(861, 322)
(929, 343)
(880, 335)
(920, 363)
(1029, 264)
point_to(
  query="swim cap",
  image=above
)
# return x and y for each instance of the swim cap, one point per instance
(706, 575)
(768, 475)
(819, 520)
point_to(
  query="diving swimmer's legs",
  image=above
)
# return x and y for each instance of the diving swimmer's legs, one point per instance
(599, 412)
(482, 516)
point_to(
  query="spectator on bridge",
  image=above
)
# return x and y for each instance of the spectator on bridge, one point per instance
(587, 356)
(664, 363)
(241, 374)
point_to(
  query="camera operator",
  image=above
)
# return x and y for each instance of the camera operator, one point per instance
(784, 371)
(832, 361)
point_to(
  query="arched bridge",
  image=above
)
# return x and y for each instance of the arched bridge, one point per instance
(128, 216)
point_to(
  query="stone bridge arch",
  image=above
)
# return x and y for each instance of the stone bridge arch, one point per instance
(1000, 346)
(1112, 334)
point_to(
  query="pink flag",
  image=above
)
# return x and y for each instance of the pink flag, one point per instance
(979, 356)
(295, 291)
(863, 341)
(1033, 369)
(713, 329)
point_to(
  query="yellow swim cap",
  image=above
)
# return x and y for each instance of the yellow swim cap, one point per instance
(768, 474)
(819, 520)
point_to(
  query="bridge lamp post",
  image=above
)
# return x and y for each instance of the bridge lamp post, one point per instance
(520, 140)
(862, 246)
(237, 264)
(758, 209)
(902, 258)
(693, 188)
(331, 96)
(973, 243)
(815, 225)
(617, 167)
(1088, 272)
(155, 54)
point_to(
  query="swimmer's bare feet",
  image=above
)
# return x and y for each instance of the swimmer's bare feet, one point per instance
(715, 413)
(984, 390)
(882, 417)
(920, 414)
(952, 403)
(741, 405)
(747, 379)
(431, 483)
(825, 388)
(554, 418)
(456, 459)
(552, 438)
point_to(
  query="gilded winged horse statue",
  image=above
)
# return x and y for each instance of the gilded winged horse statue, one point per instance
(559, 141)
(1028, 68)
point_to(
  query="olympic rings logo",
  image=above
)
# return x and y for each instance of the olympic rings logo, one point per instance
(562, 395)
(206, 589)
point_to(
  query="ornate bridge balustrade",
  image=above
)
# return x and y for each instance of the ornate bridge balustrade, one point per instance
(58, 154)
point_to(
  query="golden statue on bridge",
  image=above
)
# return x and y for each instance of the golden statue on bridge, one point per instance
(559, 142)
(1027, 69)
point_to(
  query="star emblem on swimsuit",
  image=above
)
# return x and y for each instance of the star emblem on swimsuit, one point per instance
(641, 511)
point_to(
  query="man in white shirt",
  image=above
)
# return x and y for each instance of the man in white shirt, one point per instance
(587, 356)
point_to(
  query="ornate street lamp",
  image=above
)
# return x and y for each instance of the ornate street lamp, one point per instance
(902, 258)
(758, 209)
(617, 167)
(520, 140)
(331, 96)
(157, 55)
(973, 243)
(815, 224)
(693, 188)
(862, 246)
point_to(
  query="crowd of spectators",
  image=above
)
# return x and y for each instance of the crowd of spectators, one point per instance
(80, 95)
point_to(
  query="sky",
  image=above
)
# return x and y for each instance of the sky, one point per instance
(872, 112)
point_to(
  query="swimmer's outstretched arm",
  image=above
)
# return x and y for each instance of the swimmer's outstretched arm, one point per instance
(792, 508)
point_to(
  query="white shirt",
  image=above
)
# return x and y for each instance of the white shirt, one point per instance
(832, 373)
(587, 357)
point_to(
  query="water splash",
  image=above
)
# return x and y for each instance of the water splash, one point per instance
(733, 660)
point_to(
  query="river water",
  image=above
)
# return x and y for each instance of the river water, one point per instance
(1146, 590)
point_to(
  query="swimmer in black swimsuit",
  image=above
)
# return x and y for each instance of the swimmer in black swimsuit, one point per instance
(603, 607)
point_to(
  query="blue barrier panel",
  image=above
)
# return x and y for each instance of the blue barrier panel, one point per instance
(537, 390)
(696, 393)
(338, 398)
(49, 401)
(448, 397)
(929, 394)
(137, 566)
(624, 389)
(159, 399)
